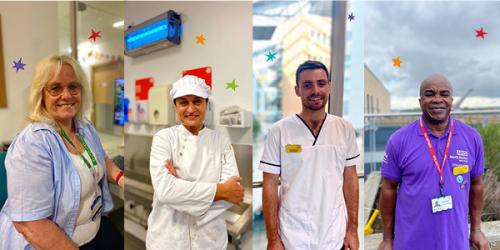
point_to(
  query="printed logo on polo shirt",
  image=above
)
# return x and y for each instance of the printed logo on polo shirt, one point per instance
(385, 158)
(462, 156)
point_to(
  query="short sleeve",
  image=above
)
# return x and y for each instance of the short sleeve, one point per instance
(271, 160)
(30, 184)
(390, 165)
(478, 168)
(353, 155)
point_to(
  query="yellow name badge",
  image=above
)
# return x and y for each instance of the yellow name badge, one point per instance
(293, 148)
(463, 169)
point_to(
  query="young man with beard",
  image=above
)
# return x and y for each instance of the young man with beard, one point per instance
(432, 172)
(313, 156)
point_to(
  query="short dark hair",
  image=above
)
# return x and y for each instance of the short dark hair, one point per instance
(309, 65)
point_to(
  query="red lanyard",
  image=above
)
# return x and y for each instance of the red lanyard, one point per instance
(433, 153)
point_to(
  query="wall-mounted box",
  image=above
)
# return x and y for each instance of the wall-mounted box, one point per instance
(236, 117)
(161, 107)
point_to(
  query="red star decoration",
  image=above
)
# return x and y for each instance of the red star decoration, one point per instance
(481, 33)
(95, 35)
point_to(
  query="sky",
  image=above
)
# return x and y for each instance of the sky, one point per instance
(435, 37)
(354, 108)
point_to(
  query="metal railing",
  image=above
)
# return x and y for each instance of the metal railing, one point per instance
(459, 112)
(373, 122)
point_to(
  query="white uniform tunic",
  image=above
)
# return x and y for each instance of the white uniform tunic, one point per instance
(184, 215)
(312, 213)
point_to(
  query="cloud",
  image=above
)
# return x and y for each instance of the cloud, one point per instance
(434, 37)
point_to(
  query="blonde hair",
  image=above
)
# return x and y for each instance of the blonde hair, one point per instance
(45, 71)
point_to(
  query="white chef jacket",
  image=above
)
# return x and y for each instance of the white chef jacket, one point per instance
(184, 215)
(312, 213)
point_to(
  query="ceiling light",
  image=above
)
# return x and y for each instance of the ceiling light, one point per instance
(118, 24)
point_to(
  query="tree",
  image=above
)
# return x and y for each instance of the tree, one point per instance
(491, 141)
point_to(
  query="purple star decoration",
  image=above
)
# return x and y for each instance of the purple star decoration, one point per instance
(351, 16)
(19, 65)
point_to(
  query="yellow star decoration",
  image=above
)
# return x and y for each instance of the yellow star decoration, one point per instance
(200, 39)
(396, 62)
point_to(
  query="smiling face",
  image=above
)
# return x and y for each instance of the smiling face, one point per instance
(191, 110)
(313, 88)
(62, 95)
(436, 99)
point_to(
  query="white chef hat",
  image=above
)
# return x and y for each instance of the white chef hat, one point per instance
(190, 85)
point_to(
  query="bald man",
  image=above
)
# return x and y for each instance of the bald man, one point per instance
(432, 178)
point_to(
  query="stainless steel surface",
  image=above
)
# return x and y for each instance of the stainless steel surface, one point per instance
(112, 144)
(137, 157)
(233, 214)
(243, 155)
(239, 209)
(239, 218)
(241, 225)
(132, 242)
(138, 191)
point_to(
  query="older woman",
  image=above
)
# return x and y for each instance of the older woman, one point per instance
(201, 179)
(57, 170)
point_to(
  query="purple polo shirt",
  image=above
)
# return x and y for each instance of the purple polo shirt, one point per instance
(408, 161)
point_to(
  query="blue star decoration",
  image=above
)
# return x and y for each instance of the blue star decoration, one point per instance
(271, 56)
(19, 64)
(232, 85)
(351, 16)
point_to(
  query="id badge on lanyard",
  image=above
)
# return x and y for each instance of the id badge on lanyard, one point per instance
(441, 202)
(96, 207)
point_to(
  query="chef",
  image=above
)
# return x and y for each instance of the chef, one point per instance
(194, 175)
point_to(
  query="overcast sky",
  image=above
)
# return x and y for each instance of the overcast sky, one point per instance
(434, 37)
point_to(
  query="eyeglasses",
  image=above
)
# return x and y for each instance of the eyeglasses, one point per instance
(57, 89)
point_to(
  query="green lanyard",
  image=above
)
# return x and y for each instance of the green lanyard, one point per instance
(82, 141)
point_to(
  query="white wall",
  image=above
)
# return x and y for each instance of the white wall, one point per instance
(29, 30)
(227, 27)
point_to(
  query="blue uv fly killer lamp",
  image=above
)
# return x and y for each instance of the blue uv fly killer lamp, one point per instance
(157, 33)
